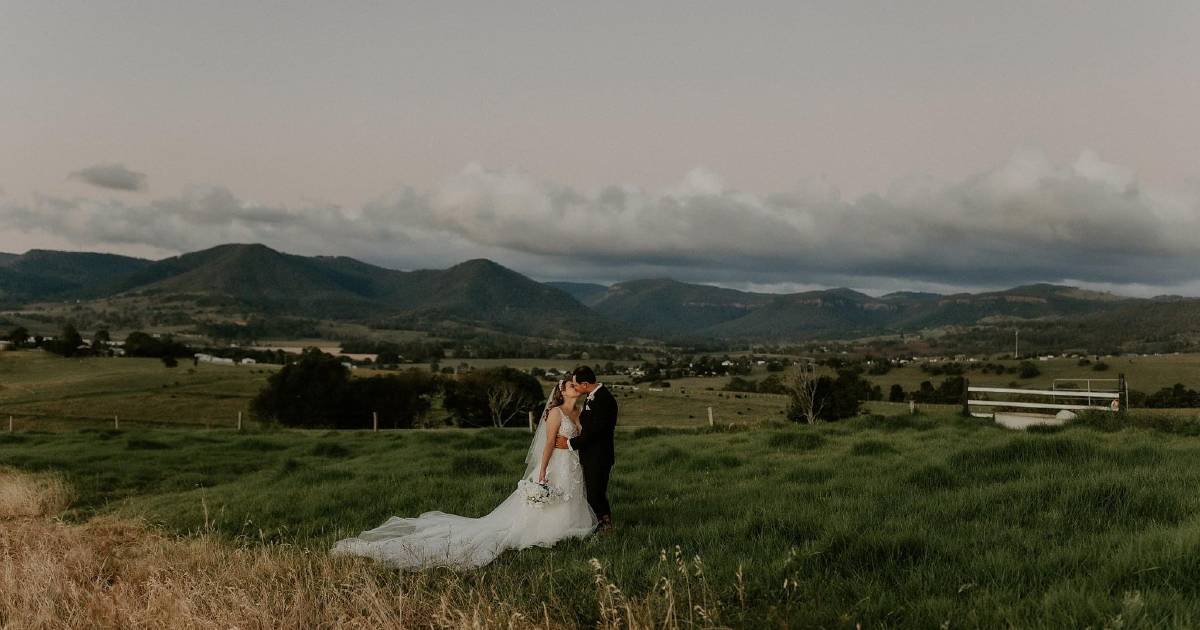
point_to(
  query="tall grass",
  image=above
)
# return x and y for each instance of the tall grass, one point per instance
(119, 573)
(913, 522)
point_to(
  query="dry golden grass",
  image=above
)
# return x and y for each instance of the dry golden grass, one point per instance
(28, 495)
(114, 573)
(111, 573)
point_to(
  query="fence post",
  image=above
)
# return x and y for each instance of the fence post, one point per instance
(531, 429)
(375, 421)
(116, 422)
(966, 395)
(239, 421)
(710, 417)
(10, 424)
(912, 407)
(1122, 394)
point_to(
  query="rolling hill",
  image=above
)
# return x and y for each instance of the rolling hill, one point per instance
(675, 310)
(46, 275)
(668, 308)
(257, 279)
(586, 293)
(239, 279)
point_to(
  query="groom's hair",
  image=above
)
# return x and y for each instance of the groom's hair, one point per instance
(584, 374)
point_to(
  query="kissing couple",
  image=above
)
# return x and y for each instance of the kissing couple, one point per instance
(563, 493)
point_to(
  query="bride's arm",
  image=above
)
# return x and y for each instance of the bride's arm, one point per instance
(553, 420)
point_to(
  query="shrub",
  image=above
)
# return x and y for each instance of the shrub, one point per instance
(739, 384)
(1028, 370)
(307, 393)
(1100, 366)
(140, 344)
(772, 384)
(66, 344)
(949, 392)
(317, 391)
(835, 398)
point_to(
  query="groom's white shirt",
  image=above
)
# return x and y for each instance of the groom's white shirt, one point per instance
(591, 396)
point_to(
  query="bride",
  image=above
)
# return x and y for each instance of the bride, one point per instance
(548, 505)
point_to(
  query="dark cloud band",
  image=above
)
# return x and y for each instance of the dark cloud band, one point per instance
(1026, 220)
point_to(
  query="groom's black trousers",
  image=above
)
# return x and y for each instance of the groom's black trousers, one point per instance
(595, 481)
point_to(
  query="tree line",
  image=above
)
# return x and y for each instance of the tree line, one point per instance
(317, 390)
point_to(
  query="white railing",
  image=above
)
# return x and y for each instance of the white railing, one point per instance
(1113, 398)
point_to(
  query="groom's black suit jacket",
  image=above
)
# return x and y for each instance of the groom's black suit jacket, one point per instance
(597, 424)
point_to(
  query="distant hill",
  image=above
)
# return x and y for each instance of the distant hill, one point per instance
(481, 295)
(259, 279)
(1025, 302)
(481, 290)
(41, 274)
(587, 293)
(812, 314)
(670, 308)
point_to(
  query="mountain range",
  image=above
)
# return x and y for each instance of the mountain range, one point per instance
(485, 295)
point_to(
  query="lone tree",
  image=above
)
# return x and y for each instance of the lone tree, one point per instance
(825, 398)
(67, 344)
(19, 336)
(493, 397)
(502, 402)
(804, 388)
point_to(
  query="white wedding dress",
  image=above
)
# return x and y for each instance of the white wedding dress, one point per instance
(437, 539)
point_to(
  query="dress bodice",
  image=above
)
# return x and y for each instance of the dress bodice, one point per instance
(567, 428)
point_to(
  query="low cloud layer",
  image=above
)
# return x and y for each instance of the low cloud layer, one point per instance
(111, 176)
(1027, 220)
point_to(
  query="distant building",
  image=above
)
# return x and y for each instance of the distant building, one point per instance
(208, 358)
(248, 361)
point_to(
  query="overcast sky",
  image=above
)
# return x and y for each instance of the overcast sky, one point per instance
(780, 145)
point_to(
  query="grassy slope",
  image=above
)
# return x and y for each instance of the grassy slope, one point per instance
(38, 387)
(899, 523)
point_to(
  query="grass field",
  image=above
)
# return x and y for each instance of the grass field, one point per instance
(1144, 373)
(40, 388)
(927, 521)
(43, 391)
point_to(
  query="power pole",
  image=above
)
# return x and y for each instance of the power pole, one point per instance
(1016, 344)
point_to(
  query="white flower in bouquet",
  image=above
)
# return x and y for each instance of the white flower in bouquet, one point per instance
(538, 494)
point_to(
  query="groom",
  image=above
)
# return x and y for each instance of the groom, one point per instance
(597, 423)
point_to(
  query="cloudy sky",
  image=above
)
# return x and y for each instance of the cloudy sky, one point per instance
(768, 145)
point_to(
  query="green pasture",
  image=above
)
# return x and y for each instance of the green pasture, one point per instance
(43, 391)
(1144, 373)
(914, 521)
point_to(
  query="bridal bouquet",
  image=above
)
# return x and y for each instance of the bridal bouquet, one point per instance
(539, 495)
